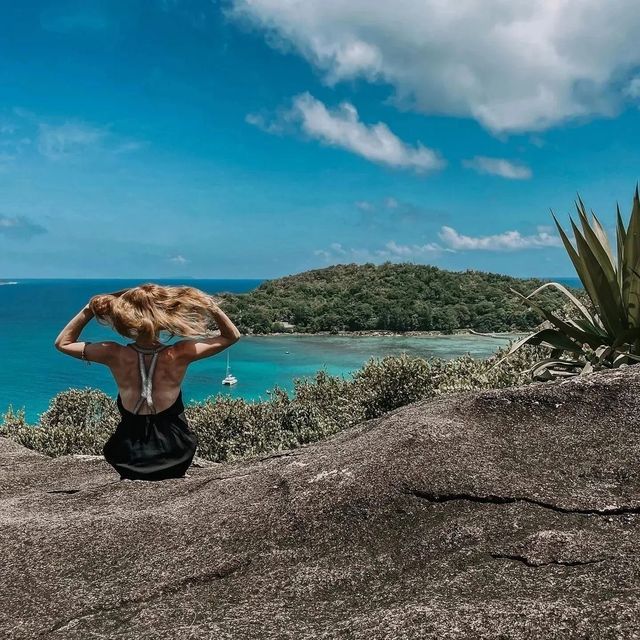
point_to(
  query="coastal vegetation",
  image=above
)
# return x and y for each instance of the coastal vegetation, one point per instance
(390, 297)
(603, 332)
(586, 330)
(79, 421)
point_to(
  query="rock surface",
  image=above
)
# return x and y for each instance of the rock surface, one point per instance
(502, 514)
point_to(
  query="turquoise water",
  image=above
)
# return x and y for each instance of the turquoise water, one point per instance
(32, 371)
(568, 282)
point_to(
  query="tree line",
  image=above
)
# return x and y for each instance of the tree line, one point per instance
(390, 296)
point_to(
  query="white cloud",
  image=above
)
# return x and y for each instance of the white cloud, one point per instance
(19, 227)
(128, 147)
(365, 205)
(512, 66)
(507, 241)
(633, 88)
(451, 241)
(391, 250)
(410, 250)
(498, 167)
(342, 128)
(61, 141)
(12, 143)
(178, 259)
(258, 120)
(71, 139)
(390, 215)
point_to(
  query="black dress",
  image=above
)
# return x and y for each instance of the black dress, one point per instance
(154, 446)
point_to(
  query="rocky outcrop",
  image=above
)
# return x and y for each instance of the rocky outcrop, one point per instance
(502, 514)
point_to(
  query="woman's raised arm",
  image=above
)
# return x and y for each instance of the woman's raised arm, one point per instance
(102, 352)
(199, 348)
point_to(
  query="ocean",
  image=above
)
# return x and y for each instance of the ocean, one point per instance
(567, 282)
(32, 371)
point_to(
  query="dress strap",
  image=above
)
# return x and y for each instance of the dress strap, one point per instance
(147, 350)
(146, 378)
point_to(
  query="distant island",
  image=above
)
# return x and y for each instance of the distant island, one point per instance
(387, 297)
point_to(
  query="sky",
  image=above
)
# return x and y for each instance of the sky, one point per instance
(260, 138)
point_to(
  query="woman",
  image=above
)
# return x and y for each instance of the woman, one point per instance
(153, 440)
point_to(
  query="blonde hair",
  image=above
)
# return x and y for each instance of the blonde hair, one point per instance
(144, 311)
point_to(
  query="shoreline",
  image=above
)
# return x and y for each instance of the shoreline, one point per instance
(395, 334)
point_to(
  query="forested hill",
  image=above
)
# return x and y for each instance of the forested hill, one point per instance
(397, 297)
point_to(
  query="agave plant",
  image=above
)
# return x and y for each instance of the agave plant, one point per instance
(605, 333)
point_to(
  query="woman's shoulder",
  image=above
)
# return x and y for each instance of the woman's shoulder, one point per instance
(103, 351)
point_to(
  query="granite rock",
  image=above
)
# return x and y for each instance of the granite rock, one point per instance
(512, 513)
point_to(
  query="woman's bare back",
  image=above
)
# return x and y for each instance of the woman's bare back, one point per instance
(167, 377)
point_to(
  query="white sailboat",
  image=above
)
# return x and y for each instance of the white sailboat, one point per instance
(229, 379)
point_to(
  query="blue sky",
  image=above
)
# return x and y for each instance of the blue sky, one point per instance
(255, 138)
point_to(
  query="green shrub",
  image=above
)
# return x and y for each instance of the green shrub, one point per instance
(86, 409)
(77, 421)
(12, 420)
(80, 421)
(392, 382)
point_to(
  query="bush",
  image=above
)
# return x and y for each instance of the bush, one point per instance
(80, 421)
(86, 409)
(77, 421)
(602, 332)
(12, 420)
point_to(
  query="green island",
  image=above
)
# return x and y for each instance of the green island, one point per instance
(388, 297)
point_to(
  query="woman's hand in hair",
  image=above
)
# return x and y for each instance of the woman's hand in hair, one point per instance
(101, 304)
(117, 294)
(213, 305)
